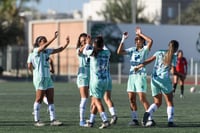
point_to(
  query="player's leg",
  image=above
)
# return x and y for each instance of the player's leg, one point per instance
(93, 112)
(133, 107)
(143, 100)
(51, 106)
(36, 107)
(170, 109)
(82, 107)
(182, 87)
(148, 115)
(175, 80)
(100, 108)
(111, 108)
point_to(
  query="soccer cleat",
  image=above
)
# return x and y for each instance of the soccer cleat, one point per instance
(134, 123)
(113, 119)
(171, 124)
(181, 96)
(39, 124)
(104, 125)
(82, 123)
(89, 124)
(145, 118)
(150, 123)
(56, 123)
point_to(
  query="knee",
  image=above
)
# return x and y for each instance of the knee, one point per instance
(158, 103)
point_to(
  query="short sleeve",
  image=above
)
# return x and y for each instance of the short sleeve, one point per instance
(29, 58)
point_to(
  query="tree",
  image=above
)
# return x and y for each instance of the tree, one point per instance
(120, 11)
(191, 16)
(11, 24)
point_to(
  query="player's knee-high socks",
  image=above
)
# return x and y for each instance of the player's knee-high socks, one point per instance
(103, 116)
(182, 89)
(112, 111)
(36, 108)
(170, 113)
(151, 110)
(82, 108)
(51, 112)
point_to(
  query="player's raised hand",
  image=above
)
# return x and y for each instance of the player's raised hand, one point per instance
(56, 34)
(67, 39)
(88, 39)
(124, 36)
(138, 31)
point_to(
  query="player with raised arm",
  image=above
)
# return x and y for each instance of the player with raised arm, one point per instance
(137, 82)
(99, 75)
(38, 62)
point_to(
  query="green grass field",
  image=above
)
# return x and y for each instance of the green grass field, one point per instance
(16, 101)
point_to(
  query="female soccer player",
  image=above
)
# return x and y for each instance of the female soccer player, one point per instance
(83, 76)
(137, 83)
(99, 76)
(161, 82)
(38, 62)
(108, 101)
(181, 72)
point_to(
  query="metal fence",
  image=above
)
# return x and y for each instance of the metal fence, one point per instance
(13, 60)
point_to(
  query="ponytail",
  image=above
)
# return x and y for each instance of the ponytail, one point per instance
(173, 47)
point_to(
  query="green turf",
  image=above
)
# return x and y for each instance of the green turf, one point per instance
(16, 101)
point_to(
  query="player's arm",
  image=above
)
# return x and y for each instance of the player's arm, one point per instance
(61, 48)
(148, 39)
(51, 65)
(185, 67)
(120, 49)
(30, 67)
(43, 47)
(173, 71)
(147, 61)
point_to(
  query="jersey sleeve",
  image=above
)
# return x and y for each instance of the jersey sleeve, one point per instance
(49, 51)
(29, 58)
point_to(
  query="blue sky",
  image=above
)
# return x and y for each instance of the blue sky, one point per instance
(61, 6)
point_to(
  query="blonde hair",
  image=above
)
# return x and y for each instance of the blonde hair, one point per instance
(173, 47)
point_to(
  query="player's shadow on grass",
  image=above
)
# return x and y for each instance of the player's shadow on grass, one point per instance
(28, 123)
(15, 123)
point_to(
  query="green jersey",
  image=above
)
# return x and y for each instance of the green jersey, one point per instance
(40, 62)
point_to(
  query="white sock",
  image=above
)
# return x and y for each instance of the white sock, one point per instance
(112, 111)
(152, 109)
(103, 116)
(134, 115)
(82, 108)
(45, 100)
(36, 108)
(170, 113)
(92, 118)
(52, 112)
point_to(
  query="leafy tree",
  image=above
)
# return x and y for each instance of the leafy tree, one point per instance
(120, 11)
(11, 24)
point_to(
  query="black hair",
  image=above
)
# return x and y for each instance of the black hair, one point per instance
(99, 43)
(78, 42)
(144, 42)
(38, 40)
